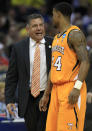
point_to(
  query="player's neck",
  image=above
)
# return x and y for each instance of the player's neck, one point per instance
(65, 27)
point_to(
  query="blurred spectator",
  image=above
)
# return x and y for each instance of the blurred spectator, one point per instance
(3, 58)
(3, 64)
(88, 119)
(11, 38)
(12, 35)
(89, 97)
(3, 110)
(89, 37)
(2, 98)
(4, 23)
(75, 17)
(3, 39)
(12, 16)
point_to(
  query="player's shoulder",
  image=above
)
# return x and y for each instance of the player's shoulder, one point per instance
(76, 35)
(57, 36)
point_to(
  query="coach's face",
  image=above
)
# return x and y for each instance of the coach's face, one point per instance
(36, 29)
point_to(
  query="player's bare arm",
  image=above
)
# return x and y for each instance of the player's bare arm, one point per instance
(44, 100)
(78, 42)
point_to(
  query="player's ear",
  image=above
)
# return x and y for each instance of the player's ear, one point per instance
(58, 14)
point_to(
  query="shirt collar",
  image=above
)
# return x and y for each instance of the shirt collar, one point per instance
(33, 42)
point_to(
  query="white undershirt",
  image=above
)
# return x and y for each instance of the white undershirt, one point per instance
(43, 67)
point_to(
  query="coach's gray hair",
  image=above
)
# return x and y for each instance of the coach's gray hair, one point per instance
(34, 16)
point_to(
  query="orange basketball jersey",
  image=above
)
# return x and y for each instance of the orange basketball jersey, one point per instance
(65, 65)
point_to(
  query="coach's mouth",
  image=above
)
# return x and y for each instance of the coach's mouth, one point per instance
(39, 34)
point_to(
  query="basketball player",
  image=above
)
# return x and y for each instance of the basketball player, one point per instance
(70, 65)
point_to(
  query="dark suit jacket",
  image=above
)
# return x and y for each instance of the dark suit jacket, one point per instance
(18, 73)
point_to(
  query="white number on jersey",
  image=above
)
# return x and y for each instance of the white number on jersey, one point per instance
(58, 63)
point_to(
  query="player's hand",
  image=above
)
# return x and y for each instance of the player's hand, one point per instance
(43, 103)
(89, 97)
(11, 107)
(73, 96)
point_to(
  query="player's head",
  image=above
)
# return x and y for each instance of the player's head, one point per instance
(61, 10)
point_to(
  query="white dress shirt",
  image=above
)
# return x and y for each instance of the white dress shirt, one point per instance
(43, 67)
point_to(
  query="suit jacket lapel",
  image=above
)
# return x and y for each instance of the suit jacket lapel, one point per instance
(26, 55)
(48, 53)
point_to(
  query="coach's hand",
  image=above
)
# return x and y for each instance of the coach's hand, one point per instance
(73, 96)
(43, 103)
(11, 107)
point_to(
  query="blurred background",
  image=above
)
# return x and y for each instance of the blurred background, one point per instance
(13, 18)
